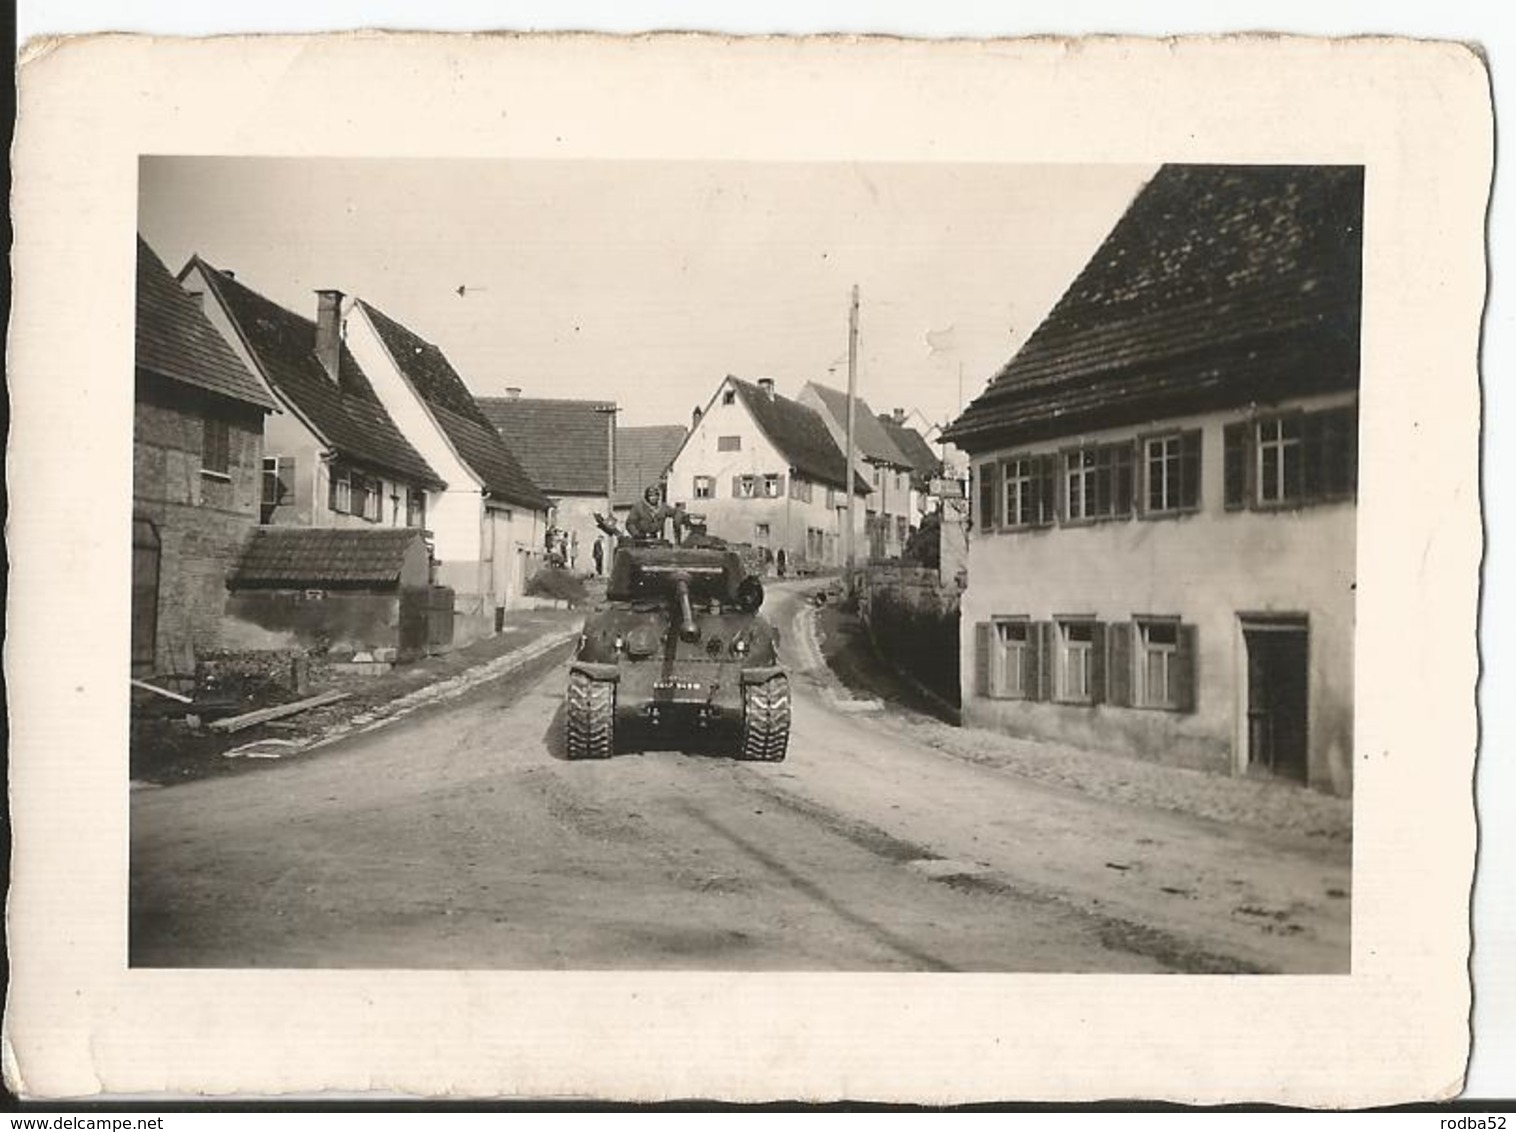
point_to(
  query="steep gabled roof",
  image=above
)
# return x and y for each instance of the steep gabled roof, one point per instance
(1220, 286)
(564, 445)
(346, 413)
(457, 414)
(643, 455)
(295, 556)
(175, 340)
(913, 446)
(873, 441)
(800, 435)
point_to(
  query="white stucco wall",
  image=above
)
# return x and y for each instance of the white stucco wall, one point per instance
(1207, 568)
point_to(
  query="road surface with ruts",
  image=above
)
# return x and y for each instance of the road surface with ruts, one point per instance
(460, 837)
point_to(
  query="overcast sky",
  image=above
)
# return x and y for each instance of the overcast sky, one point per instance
(647, 282)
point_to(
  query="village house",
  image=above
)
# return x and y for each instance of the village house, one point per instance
(643, 456)
(1163, 552)
(889, 515)
(198, 420)
(567, 449)
(334, 457)
(763, 470)
(489, 523)
(925, 464)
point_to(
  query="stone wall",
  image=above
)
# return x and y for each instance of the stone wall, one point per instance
(912, 618)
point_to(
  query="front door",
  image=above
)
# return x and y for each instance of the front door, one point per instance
(146, 555)
(1278, 683)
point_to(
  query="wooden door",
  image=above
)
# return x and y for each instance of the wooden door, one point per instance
(147, 551)
(1278, 691)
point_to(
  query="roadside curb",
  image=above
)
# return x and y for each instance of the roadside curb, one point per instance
(814, 660)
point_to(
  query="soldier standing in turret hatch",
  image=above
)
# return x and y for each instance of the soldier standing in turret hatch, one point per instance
(649, 514)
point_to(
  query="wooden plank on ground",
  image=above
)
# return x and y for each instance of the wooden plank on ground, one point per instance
(146, 687)
(263, 715)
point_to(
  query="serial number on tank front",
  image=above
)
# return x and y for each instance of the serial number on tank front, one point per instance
(678, 686)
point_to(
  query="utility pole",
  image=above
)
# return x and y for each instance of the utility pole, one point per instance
(852, 391)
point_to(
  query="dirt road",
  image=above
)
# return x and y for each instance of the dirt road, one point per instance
(460, 837)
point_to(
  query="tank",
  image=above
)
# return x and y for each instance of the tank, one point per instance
(678, 653)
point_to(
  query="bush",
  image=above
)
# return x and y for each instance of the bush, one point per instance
(558, 584)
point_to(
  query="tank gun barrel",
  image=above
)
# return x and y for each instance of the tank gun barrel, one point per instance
(688, 630)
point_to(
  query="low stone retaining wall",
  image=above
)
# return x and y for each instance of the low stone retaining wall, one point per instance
(912, 619)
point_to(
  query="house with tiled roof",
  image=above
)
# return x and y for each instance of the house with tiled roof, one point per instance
(643, 456)
(198, 419)
(488, 524)
(1162, 560)
(567, 448)
(763, 469)
(891, 511)
(334, 456)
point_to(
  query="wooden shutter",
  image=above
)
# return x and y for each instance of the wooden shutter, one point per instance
(1046, 469)
(1118, 667)
(331, 489)
(736, 487)
(1030, 665)
(1237, 464)
(984, 640)
(997, 494)
(1189, 469)
(1186, 665)
(1122, 485)
(1043, 634)
(1097, 662)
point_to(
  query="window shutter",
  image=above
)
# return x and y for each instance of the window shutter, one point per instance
(1189, 469)
(1236, 464)
(331, 489)
(1060, 487)
(1029, 664)
(1045, 659)
(1047, 480)
(1097, 662)
(997, 493)
(1187, 664)
(779, 491)
(984, 634)
(1118, 668)
(736, 487)
(1121, 505)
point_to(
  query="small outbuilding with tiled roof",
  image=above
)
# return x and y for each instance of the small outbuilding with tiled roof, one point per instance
(1163, 558)
(764, 470)
(343, 591)
(489, 524)
(197, 449)
(567, 447)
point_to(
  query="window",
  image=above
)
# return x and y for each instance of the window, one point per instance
(729, 397)
(360, 496)
(1171, 473)
(800, 489)
(1011, 652)
(415, 507)
(705, 487)
(352, 493)
(1078, 660)
(1152, 664)
(760, 532)
(1097, 482)
(832, 498)
(729, 444)
(878, 476)
(773, 487)
(744, 487)
(215, 448)
(1026, 487)
(340, 496)
(278, 485)
(1291, 460)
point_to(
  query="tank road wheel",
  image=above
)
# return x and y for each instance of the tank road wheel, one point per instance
(766, 720)
(590, 717)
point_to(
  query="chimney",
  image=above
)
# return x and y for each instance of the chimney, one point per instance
(329, 331)
(899, 415)
(513, 393)
(767, 385)
(229, 274)
(695, 418)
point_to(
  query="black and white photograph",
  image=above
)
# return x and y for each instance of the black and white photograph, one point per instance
(744, 566)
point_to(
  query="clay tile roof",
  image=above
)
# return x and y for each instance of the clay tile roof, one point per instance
(913, 446)
(565, 446)
(800, 435)
(456, 412)
(175, 340)
(873, 441)
(1220, 286)
(314, 556)
(643, 455)
(347, 413)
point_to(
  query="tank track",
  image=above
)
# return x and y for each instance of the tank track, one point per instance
(590, 717)
(766, 720)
